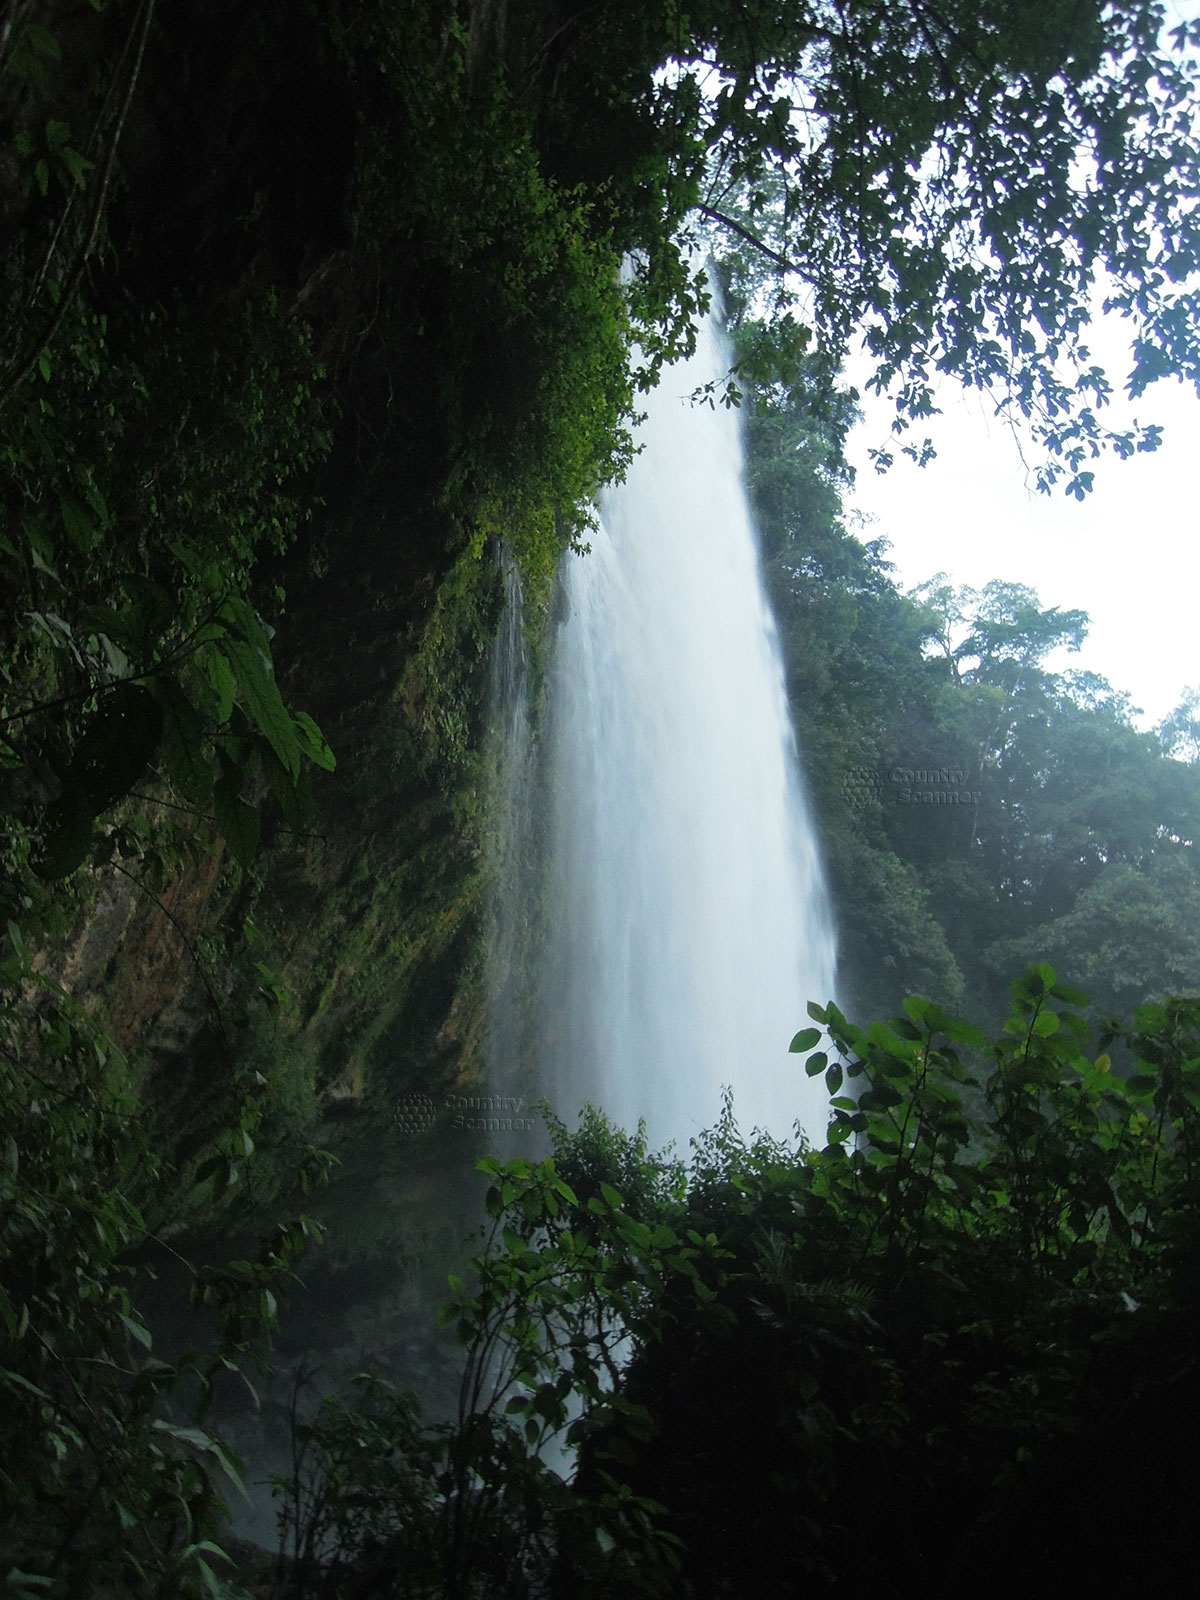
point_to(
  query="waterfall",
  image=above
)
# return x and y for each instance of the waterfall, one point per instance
(686, 923)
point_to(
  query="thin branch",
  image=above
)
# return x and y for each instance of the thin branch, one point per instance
(71, 288)
(714, 215)
(203, 816)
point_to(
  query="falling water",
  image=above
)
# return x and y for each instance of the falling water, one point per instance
(688, 921)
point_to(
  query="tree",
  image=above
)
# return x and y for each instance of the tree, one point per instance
(107, 1477)
(784, 1368)
(1180, 732)
(955, 183)
(1129, 936)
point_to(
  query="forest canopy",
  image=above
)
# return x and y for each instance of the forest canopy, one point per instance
(957, 185)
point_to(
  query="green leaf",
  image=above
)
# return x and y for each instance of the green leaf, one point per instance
(963, 1033)
(18, 1580)
(98, 504)
(224, 685)
(312, 741)
(259, 692)
(207, 1444)
(43, 42)
(816, 1063)
(22, 1383)
(150, 613)
(292, 791)
(211, 1582)
(804, 1040)
(78, 526)
(137, 1331)
(1068, 996)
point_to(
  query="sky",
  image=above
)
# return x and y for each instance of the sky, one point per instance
(1128, 554)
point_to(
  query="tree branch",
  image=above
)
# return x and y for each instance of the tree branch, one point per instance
(714, 215)
(71, 287)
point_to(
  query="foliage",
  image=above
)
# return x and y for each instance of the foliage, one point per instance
(152, 451)
(1048, 825)
(924, 1304)
(371, 254)
(958, 182)
(562, 1289)
(108, 1478)
(934, 1304)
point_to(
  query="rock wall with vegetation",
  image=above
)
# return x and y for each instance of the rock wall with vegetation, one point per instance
(308, 311)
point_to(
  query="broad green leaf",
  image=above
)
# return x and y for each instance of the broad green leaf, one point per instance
(43, 41)
(224, 684)
(260, 694)
(137, 1331)
(211, 1582)
(804, 1040)
(882, 1037)
(312, 741)
(963, 1033)
(292, 791)
(150, 613)
(80, 530)
(904, 1028)
(1068, 996)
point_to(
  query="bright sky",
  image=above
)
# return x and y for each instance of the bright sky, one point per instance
(1128, 555)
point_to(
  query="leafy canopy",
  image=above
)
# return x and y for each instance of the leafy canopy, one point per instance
(959, 183)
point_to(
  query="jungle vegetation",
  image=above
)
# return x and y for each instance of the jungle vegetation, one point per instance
(309, 309)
